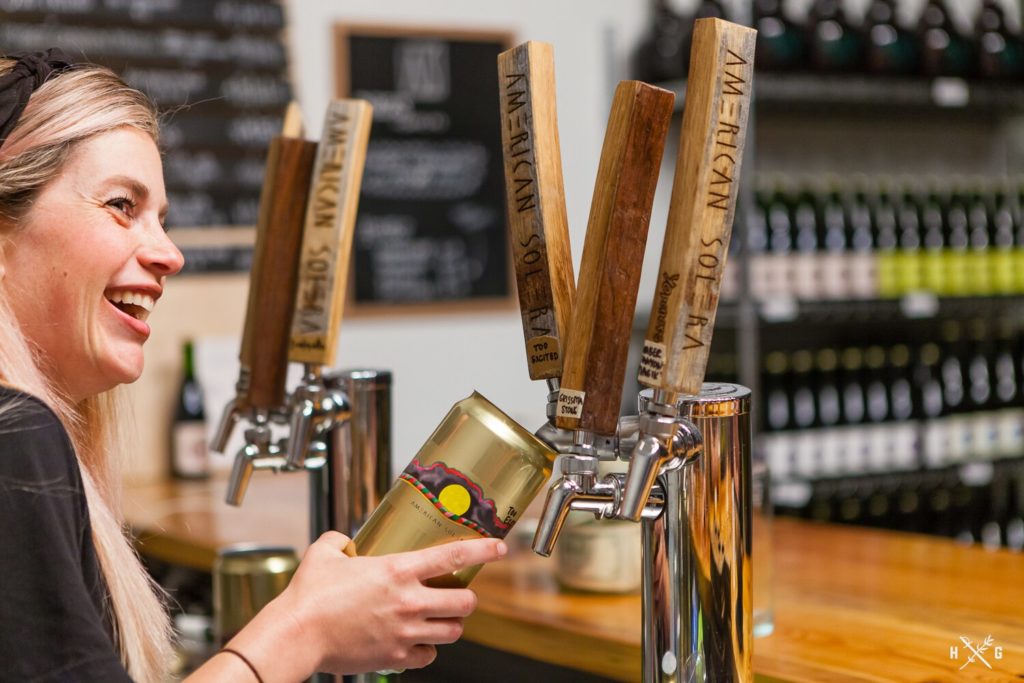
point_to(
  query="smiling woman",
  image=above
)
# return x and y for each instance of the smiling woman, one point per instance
(83, 261)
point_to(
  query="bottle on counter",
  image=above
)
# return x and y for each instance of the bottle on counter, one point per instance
(834, 44)
(1000, 50)
(944, 50)
(890, 50)
(190, 458)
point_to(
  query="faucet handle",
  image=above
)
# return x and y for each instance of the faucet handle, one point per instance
(533, 187)
(597, 343)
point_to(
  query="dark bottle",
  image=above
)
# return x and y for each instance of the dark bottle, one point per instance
(944, 51)
(981, 233)
(780, 42)
(1000, 50)
(933, 241)
(780, 241)
(909, 273)
(836, 257)
(807, 267)
(886, 241)
(661, 56)
(1002, 255)
(891, 49)
(777, 390)
(860, 235)
(834, 45)
(957, 242)
(189, 455)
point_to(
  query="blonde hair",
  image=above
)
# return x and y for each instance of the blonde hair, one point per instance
(69, 108)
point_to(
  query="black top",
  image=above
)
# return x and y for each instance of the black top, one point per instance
(53, 627)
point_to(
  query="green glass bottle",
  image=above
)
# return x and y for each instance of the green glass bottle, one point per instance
(891, 49)
(780, 43)
(189, 455)
(834, 44)
(944, 50)
(1000, 50)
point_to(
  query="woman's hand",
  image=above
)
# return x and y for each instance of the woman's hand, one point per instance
(345, 614)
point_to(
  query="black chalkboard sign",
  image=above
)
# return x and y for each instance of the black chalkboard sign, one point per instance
(431, 223)
(217, 69)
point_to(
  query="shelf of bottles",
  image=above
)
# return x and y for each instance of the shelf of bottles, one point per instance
(827, 39)
(815, 240)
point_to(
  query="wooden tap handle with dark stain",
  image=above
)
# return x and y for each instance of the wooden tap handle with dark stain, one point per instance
(613, 254)
(264, 351)
(538, 225)
(702, 207)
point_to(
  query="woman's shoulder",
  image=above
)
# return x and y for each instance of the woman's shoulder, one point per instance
(33, 441)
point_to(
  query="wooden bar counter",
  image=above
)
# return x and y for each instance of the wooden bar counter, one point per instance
(851, 604)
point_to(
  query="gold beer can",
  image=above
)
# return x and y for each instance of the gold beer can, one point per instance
(246, 577)
(473, 478)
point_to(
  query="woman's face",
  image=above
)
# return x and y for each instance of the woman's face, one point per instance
(86, 266)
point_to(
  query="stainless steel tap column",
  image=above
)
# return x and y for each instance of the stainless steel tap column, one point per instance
(359, 451)
(697, 583)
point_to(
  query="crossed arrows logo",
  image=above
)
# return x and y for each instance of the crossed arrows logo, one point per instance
(977, 652)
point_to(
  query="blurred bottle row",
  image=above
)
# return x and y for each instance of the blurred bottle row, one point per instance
(975, 503)
(856, 410)
(825, 38)
(866, 238)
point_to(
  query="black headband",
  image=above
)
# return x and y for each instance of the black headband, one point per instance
(30, 72)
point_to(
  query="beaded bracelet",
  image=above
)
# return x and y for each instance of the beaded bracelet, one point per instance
(259, 679)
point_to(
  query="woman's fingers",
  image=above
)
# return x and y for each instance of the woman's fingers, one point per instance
(440, 631)
(335, 539)
(450, 557)
(440, 603)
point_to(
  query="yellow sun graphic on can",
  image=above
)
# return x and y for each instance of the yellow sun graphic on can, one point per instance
(455, 499)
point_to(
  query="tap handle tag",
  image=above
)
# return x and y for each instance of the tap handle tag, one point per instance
(327, 234)
(535, 194)
(702, 207)
(264, 350)
(613, 254)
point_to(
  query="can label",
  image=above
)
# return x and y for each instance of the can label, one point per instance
(458, 498)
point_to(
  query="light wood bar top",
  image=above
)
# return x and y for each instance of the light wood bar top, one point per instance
(851, 604)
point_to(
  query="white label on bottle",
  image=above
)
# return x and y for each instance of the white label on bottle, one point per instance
(984, 435)
(807, 448)
(935, 443)
(830, 440)
(960, 437)
(904, 438)
(805, 277)
(863, 275)
(836, 283)
(758, 275)
(1011, 432)
(191, 457)
(777, 448)
(570, 403)
(858, 447)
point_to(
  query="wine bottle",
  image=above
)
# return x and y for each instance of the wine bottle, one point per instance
(980, 233)
(780, 241)
(834, 45)
(807, 272)
(829, 410)
(891, 49)
(909, 266)
(1002, 256)
(886, 241)
(803, 415)
(836, 257)
(880, 450)
(1000, 50)
(860, 235)
(958, 433)
(661, 56)
(944, 50)
(956, 236)
(189, 455)
(929, 405)
(980, 394)
(854, 444)
(778, 441)
(903, 430)
(780, 43)
(933, 242)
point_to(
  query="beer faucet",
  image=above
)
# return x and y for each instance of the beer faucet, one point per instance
(306, 222)
(599, 332)
(260, 390)
(687, 448)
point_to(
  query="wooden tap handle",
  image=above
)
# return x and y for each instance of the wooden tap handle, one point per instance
(613, 254)
(275, 269)
(327, 235)
(702, 207)
(537, 219)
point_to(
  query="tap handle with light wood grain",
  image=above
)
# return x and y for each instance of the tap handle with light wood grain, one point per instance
(535, 194)
(701, 209)
(613, 254)
(327, 234)
(264, 351)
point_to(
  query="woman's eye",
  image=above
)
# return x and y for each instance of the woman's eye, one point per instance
(123, 204)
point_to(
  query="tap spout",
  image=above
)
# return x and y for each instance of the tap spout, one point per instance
(228, 419)
(315, 408)
(662, 439)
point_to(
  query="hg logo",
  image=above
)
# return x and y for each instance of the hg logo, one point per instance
(977, 652)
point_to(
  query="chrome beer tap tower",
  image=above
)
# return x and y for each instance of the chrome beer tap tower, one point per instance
(688, 450)
(337, 424)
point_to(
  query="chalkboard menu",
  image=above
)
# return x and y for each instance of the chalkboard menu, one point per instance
(217, 69)
(431, 224)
